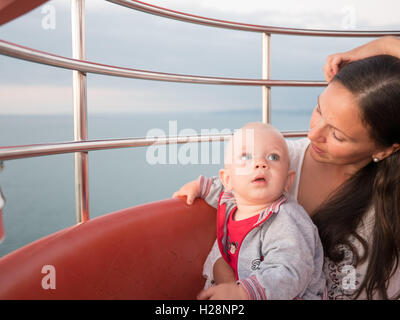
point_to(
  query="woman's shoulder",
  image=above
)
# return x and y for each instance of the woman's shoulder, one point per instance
(297, 146)
(297, 149)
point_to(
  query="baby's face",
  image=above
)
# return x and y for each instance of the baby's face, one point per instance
(257, 164)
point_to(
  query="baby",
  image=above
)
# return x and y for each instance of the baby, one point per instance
(269, 241)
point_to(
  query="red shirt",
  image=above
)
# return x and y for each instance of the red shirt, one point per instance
(237, 230)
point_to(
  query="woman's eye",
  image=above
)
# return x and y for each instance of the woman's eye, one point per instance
(246, 156)
(273, 157)
(336, 137)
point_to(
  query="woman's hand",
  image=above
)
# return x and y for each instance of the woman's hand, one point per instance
(191, 190)
(334, 62)
(384, 45)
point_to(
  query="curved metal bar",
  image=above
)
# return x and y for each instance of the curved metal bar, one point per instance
(36, 150)
(186, 17)
(33, 55)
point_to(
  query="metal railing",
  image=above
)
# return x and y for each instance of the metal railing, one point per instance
(81, 146)
(36, 150)
(181, 16)
(33, 55)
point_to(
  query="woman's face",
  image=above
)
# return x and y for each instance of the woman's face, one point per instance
(338, 135)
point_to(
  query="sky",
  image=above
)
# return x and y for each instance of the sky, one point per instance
(122, 37)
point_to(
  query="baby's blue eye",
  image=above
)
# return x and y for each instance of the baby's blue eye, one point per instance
(246, 156)
(273, 157)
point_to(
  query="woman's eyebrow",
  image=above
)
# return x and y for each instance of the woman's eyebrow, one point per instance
(319, 105)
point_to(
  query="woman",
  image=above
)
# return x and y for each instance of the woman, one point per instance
(348, 176)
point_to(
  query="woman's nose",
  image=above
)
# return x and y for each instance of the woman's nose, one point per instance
(317, 132)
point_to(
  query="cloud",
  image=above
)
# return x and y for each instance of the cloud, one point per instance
(35, 99)
(44, 99)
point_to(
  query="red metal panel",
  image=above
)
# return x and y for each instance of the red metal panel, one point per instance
(11, 9)
(153, 251)
(2, 233)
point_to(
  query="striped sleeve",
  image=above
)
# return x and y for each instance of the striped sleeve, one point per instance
(210, 189)
(253, 288)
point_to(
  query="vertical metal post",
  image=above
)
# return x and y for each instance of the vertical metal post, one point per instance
(80, 111)
(2, 202)
(266, 90)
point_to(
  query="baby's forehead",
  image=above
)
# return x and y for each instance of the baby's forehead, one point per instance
(256, 140)
(258, 133)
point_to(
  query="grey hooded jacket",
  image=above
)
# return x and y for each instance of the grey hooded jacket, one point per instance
(281, 257)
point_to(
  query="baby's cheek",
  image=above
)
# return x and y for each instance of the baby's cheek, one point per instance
(241, 171)
(279, 179)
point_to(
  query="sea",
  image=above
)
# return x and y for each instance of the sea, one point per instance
(40, 191)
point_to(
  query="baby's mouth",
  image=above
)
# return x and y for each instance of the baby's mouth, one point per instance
(259, 179)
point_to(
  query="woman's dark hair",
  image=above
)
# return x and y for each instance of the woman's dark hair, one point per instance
(375, 82)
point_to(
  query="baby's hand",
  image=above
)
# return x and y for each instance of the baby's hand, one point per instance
(224, 291)
(191, 190)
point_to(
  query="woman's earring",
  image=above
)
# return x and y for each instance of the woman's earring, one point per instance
(375, 159)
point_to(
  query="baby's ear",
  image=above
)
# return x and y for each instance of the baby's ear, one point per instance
(225, 178)
(290, 180)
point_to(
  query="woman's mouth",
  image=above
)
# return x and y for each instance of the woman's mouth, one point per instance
(316, 149)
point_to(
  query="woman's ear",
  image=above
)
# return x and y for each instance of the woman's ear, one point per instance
(225, 178)
(290, 180)
(380, 155)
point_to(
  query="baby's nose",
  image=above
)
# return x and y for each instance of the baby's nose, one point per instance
(260, 163)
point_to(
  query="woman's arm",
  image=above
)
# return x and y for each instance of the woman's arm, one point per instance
(393, 46)
(385, 45)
